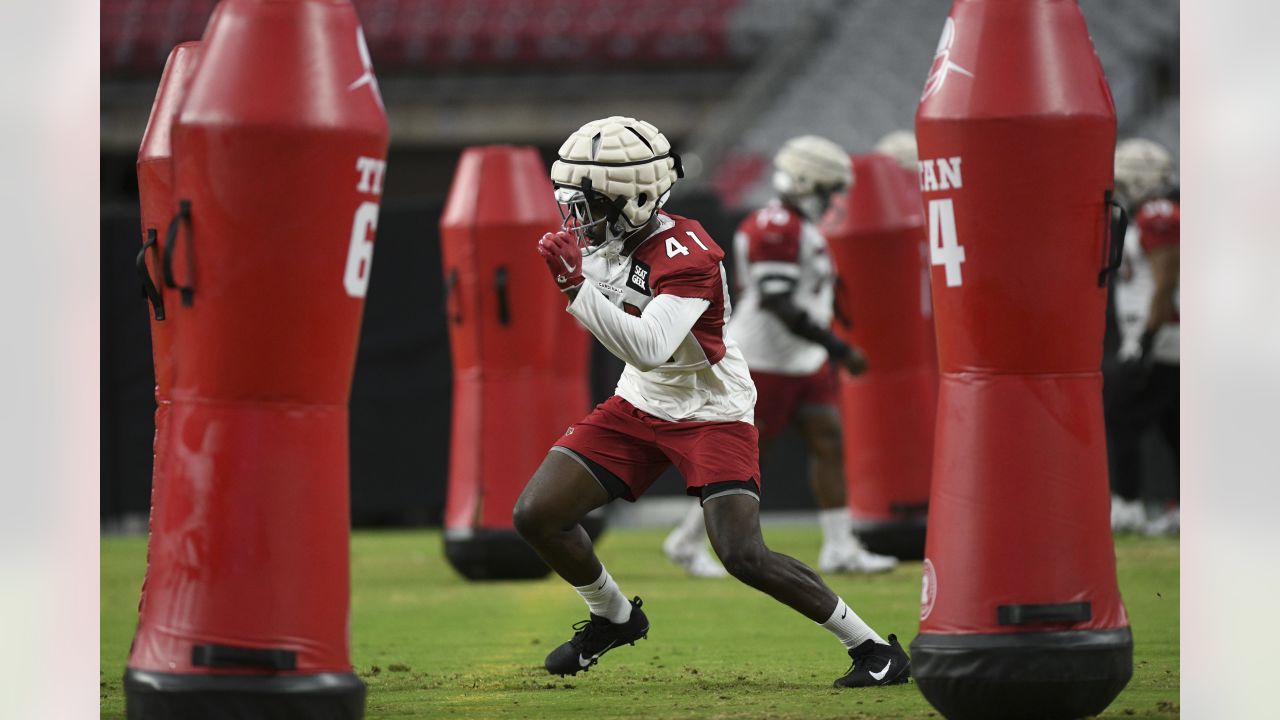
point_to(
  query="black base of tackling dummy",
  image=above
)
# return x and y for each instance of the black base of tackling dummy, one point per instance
(503, 554)
(170, 696)
(1050, 675)
(903, 539)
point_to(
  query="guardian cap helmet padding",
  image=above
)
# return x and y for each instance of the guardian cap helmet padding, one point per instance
(1144, 170)
(901, 146)
(614, 172)
(808, 170)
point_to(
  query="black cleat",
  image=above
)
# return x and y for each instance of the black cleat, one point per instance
(877, 664)
(595, 637)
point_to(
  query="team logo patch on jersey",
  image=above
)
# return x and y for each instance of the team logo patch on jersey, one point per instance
(638, 278)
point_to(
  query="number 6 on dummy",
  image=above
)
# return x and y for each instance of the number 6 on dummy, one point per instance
(278, 165)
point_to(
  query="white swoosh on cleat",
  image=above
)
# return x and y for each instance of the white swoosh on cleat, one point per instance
(567, 266)
(880, 675)
(586, 662)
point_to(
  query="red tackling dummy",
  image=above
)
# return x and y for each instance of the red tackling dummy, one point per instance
(277, 178)
(519, 360)
(155, 192)
(1021, 615)
(876, 233)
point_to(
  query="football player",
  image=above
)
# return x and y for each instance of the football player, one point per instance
(901, 146)
(1143, 391)
(783, 325)
(651, 287)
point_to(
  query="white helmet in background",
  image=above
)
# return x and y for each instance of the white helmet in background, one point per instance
(1144, 170)
(808, 170)
(901, 146)
(621, 167)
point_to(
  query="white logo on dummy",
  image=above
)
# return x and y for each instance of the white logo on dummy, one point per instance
(367, 78)
(942, 65)
(928, 589)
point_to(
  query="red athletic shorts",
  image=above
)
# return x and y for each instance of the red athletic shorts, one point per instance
(636, 447)
(779, 396)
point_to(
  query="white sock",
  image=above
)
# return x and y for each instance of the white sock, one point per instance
(845, 624)
(692, 527)
(605, 599)
(837, 527)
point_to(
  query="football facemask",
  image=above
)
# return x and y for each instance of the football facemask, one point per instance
(591, 217)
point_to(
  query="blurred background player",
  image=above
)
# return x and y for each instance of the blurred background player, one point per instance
(1142, 390)
(783, 325)
(658, 299)
(901, 146)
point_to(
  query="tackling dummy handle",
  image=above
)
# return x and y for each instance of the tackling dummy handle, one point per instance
(1115, 250)
(232, 656)
(170, 242)
(1044, 613)
(149, 290)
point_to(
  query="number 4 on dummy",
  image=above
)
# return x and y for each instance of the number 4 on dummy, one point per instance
(944, 248)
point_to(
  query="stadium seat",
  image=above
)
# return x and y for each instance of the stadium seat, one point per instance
(507, 35)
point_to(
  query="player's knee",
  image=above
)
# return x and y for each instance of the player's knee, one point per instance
(746, 563)
(528, 518)
(824, 437)
(828, 446)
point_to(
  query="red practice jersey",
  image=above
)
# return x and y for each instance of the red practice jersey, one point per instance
(1155, 226)
(706, 378)
(777, 250)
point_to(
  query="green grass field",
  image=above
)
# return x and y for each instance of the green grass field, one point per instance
(430, 644)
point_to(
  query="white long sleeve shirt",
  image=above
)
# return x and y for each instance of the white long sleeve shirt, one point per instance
(662, 311)
(644, 342)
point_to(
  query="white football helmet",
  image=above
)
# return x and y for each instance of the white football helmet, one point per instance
(613, 174)
(808, 170)
(901, 146)
(1144, 170)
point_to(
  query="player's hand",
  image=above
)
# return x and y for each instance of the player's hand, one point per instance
(854, 361)
(564, 259)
